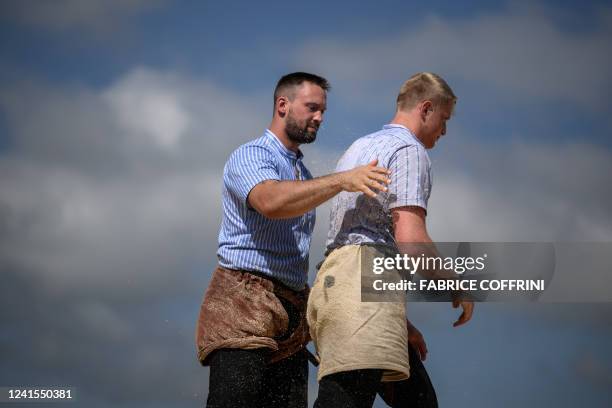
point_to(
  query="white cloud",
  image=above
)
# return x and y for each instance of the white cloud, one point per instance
(521, 192)
(520, 52)
(72, 231)
(149, 109)
(146, 121)
(116, 189)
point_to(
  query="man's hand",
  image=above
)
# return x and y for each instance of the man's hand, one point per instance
(468, 309)
(416, 340)
(366, 179)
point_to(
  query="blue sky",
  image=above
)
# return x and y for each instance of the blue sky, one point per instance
(116, 118)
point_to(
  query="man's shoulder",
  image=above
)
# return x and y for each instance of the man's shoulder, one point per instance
(257, 147)
(386, 139)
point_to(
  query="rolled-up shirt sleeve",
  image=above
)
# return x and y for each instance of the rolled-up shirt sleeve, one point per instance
(247, 167)
(410, 177)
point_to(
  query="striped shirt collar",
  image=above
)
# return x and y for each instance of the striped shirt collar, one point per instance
(281, 147)
(406, 134)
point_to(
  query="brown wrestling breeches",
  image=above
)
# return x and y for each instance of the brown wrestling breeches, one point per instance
(242, 310)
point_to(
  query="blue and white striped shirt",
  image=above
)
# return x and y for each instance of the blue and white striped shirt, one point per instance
(248, 241)
(356, 218)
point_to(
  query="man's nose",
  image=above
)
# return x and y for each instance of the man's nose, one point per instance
(318, 117)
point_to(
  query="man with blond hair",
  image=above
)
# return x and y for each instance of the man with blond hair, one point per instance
(362, 343)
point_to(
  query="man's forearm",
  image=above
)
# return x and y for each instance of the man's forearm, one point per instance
(288, 199)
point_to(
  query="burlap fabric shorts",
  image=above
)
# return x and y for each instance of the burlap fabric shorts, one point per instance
(350, 334)
(245, 311)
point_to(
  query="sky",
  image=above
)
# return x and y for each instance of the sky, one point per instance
(116, 118)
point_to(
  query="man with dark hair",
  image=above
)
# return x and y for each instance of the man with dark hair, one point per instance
(363, 343)
(252, 328)
(288, 86)
(288, 83)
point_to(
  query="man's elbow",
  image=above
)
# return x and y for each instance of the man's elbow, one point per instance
(267, 208)
(271, 213)
(265, 198)
(412, 238)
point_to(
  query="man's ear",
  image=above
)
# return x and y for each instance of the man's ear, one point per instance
(282, 105)
(425, 108)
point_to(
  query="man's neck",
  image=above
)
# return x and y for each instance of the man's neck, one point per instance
(411, 122)
(279, 130)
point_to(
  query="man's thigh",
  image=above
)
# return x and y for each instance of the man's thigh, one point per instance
(242, 378)
(287, 382)
(348, 389)
(236, 377)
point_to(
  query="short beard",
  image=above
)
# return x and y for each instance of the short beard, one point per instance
(298, 134)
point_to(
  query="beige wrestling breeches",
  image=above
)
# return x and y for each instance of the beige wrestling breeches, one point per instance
(350, 334)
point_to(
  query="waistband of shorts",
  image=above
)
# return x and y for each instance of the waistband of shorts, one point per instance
(270, 283)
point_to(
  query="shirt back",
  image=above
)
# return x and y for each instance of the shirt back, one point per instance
(358, 219)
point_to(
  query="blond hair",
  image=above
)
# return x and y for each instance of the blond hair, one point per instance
(422, 87)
